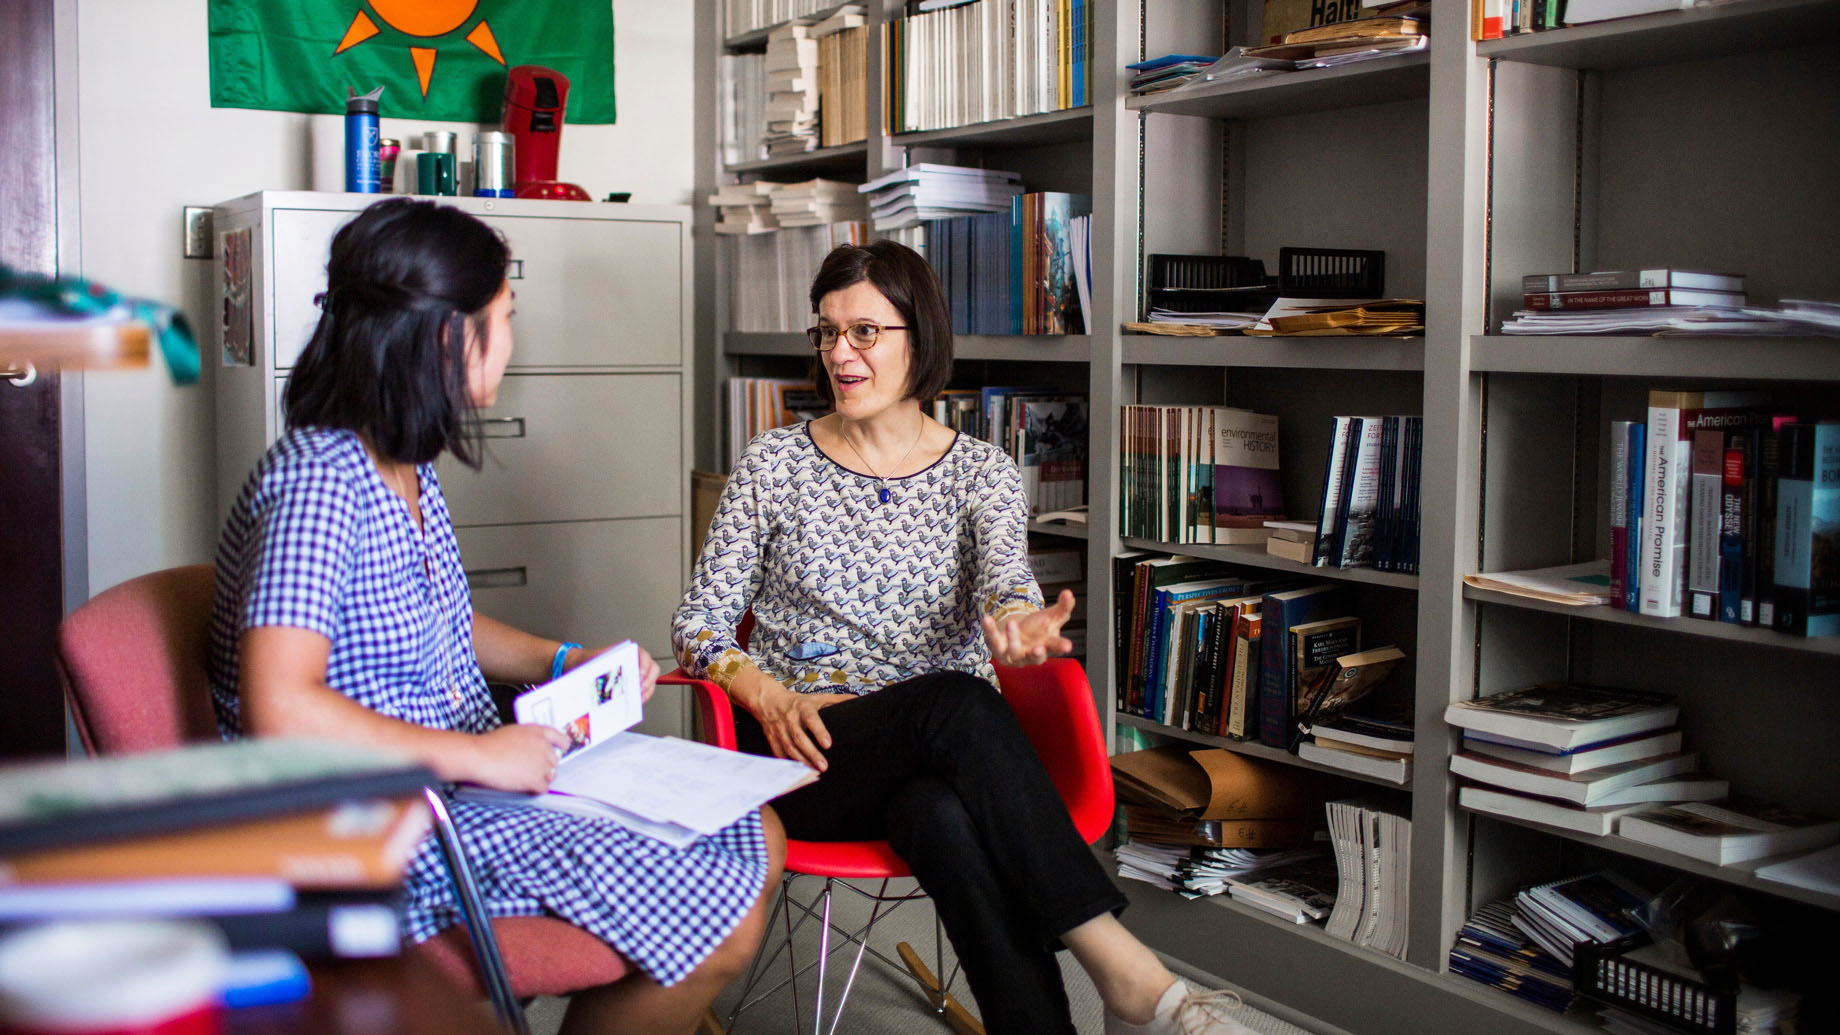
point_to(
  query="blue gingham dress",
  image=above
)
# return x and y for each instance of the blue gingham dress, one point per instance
(317, 541)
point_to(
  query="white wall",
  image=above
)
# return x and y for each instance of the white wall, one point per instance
(150, 143)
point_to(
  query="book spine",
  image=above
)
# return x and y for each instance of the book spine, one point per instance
(1275, 672)
(1794, 533)
(1662, 484)
(1731, 532)
(1747, 441)
(1356, 549)
(1705, 510)
(1636, 299)
(1634, 518)
(1619, 507)
(1824, 579)
(1769, 473)
(1331, 491)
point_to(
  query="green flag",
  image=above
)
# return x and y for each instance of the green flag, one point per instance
(436, 59)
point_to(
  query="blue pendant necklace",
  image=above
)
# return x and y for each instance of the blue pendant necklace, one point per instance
(882, 494)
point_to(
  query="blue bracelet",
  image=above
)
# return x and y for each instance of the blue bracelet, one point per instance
(562, 652)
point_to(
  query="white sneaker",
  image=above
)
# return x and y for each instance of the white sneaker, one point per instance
(1182, 1012)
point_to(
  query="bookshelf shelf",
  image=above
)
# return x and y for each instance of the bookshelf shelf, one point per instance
(1580, 1019)
(1251, 750)
(1747, 358)
(1697, 628)
(1297, 93)
(1670, 36)
(755, 39)
(1302, 353)
(1741, 875)
(1065, 531)
(1019, 348)
(844, 159)
(1052, 127)
(1256, 557)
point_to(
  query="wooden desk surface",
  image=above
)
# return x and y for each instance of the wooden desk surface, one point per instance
(399, 994)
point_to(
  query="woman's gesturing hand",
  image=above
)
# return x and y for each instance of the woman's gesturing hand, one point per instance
(518, 758)
(1032, 638)
(792, 725)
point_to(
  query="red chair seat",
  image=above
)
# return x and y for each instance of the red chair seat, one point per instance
(858, 859)
(543, 956)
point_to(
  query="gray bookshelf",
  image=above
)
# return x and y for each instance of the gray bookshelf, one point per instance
(1702, 138)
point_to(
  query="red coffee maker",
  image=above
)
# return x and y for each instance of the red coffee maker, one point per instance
(534, 101)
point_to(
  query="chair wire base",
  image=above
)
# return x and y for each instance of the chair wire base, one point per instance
(883, 904)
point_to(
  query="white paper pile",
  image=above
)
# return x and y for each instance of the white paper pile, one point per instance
(793, 78)
(744, 208)
(907, 197)
(816, 202)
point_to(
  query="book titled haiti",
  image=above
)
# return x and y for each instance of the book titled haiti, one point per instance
(46, 804)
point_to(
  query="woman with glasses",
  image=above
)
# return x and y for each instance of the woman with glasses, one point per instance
(885, 560)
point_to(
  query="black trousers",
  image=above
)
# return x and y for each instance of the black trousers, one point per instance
(938, 767)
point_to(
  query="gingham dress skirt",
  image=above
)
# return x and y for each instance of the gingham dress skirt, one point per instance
(663, 908)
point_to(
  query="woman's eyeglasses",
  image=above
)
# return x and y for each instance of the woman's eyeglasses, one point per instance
(862, 336)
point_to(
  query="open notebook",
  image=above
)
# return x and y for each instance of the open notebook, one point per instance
(667, 788)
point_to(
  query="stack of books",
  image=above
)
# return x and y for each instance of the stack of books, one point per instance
(928, 190)
(1576, 757)
(281, 844)
(792, 90)
(1732, 831)
(1370, 510)
(1251, 875)
(816, 202)
(1602, 908)
(744, 208)
(1373, 854)
(1492, 950)
(1379, 744)
(1624, 301)
(1291, 540)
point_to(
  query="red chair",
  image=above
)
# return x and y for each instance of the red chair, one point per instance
(1054, 704)
(133, 666)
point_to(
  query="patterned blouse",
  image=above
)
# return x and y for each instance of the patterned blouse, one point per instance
(316, 541)
(851, 594)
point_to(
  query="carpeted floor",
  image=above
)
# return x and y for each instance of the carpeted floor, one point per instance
(885, 1000)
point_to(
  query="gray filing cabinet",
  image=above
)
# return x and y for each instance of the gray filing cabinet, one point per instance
(577, 527)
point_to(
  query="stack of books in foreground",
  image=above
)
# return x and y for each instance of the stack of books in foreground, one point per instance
(928, 190)
(1198, 474)
(1492, 950)
(1378, 744)
(281, 844)
(1372, 838)
(1576, 757)
(744, 208)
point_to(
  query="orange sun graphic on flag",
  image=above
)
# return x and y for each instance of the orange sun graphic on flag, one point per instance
(423, 19)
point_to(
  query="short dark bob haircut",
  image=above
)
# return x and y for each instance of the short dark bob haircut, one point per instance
(388, 358)
(910, 284)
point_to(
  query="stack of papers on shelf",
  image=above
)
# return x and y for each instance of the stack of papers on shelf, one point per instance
(1200, 872)
(1490, 949)
(1576, 584)
(1166, 72)
(744, 208)
(908, 197)
(1222, 321)
(1373, 852)
(1327, 316)
(1669, 319)
(1358, 38)
(1301, 891)
(817, 202)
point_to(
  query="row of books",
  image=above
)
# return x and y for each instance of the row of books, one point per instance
(1044, 430)
(771, 273)
(989, 60)
(1371, 510)
(1725, 508)
(279, 844)
(1198, 474)
(757, 404)
(1017, 272)
(808, 89)
(740, 17)
(1624, 300)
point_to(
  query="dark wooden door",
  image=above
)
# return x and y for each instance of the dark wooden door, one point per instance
(31, 555)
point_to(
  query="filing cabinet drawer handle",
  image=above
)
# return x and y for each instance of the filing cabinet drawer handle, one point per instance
(501, 427)
(497, 578)
(515, 270)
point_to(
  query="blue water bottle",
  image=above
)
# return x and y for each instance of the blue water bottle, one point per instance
(363, 171)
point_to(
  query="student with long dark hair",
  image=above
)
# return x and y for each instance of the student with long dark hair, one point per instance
(342, 611)
(885, 560)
